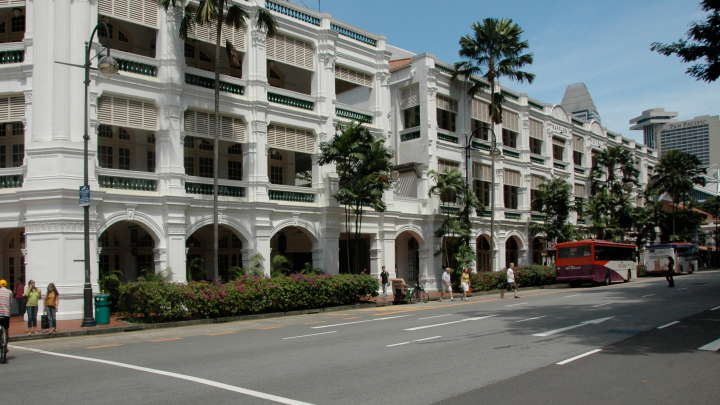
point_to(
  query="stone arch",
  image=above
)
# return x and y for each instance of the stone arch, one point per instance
(596, 128)
(298, 223)
(483, 253)
(298, 248)
(538, 245)
(130, 247)
(414, 229)
(513, 246)
(144, 220)
(408, 245)
(234, 225)
(200, 254)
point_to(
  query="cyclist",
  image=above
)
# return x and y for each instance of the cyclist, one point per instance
(5, 295)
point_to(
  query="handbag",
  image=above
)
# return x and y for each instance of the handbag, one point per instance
(44, 321)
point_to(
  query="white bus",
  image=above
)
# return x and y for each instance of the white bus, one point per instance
(683, 254)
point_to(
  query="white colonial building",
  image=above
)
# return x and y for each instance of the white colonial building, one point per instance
(151, 146)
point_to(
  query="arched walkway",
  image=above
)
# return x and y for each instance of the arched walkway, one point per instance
(407, 257)
(127, 247)
(199, 251)
(296, 245)
(512, 249)
(12, 264)
(538, 247)
(484, 253)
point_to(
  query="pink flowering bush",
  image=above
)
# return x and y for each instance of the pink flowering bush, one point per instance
(161, 301)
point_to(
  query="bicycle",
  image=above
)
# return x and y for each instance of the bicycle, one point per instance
(417, 294)
(3, 344)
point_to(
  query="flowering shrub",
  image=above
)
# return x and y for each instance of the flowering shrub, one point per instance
(245, 295)
(526, 276)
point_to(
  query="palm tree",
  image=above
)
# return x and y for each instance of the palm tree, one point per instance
(451, 188)
(676, 174)
(218, 12)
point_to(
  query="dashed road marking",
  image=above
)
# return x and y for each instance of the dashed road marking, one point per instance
(579, 356)
(104, 346)
(477, 318)
(532, 319)
(667, 325)
(308, 335)
(435, 316)
(514, 305)
(601, 305)
(411, 341)
(357, 322)
(399, 344)
(646, 295)
(556, 331)
(712, 346)
(227, 332)
(568, 296)
(715, 308)
(198, 380)
(166, 339)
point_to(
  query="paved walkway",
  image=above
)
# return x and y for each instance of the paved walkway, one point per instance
(18, 326)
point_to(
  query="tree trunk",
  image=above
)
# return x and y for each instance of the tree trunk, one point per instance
(216, 136)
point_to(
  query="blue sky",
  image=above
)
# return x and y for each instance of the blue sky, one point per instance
(602, 43)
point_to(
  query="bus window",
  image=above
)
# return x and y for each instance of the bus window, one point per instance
(614, 253)
(574, 251)
(686, 251)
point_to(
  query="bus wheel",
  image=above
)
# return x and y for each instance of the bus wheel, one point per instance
(607, 278)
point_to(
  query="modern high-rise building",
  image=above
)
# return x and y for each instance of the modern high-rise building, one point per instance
(152, 147)
(651, 122)
(579, 103)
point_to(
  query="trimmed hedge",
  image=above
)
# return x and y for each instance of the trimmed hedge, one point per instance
(526, 276)
(160, 301)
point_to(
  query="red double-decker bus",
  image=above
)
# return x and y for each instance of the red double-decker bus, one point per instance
(595, 260)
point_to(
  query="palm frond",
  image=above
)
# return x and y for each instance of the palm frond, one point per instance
(206, 12)
(236, 16)
(265, 20)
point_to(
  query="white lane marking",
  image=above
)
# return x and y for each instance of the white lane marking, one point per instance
(579, 356)
(435, 316)
(410, 341)
(590, 322)
(712, 346)
(568, 296)
(716, 308)
(519, 303)
(477, 318)
(601, 305)
(356, 322)
(531, 319)
(311, 334)
(211, 383)
(427, 338)
(684, 288)
(667, 325)
(646, 295)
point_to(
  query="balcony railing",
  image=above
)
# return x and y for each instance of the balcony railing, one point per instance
(512, 215)
(11, 181)
(448, 138)
(207, 189)
(511, 153)
(409, 136)
(483, 213)
(579, 170)
(201, 81)
(137, 67)
(127, 183)
(353, 115)
(537, 217)
(290, 12)
(290, 101)
(292, 196)
(537, 159)
(481, 145)
(353, 35)
(14, 56)
(559, 165)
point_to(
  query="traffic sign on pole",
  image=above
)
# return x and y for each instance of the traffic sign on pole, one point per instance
(84, 196)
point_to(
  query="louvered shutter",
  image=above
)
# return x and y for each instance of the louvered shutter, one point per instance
(143, 12)
(512, 178)
(12, 2)
(536, 129)
(406, 185)
(480, 111)
(446, 103)
(353, 76)
(293, 51)
(580, 190)
(124, 112)
(294, 139)
(445, 165)
(409, 97)
(510, 120)
(558, 142)
(203, 124)
(482, 172)
(207, 33)
(578, 143)
(536, 181)
(12, 108)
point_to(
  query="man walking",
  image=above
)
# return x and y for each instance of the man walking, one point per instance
(447, 283)
(384, 276)
(670, 272)
(510, 274)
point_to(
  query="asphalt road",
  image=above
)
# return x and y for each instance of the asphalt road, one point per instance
(483, 351)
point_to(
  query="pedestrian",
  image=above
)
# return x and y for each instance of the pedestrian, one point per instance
(20, 296)
(32, 297)
(447, 283)
(52, 299)
(465, 282)
(5, 296)
(670, 272)
(510, 274)
(384, 279)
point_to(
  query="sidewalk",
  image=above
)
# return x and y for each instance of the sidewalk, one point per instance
(18, 327)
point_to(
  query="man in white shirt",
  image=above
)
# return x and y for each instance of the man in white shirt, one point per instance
(447, 283)
(511, 278)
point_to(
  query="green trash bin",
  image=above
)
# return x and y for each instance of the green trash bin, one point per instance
(102, 309)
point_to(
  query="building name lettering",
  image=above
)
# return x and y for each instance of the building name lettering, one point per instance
(686, 124)
(558, 129)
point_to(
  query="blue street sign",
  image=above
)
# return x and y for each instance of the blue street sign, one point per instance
(84, 196)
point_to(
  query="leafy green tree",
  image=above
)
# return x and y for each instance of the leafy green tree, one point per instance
(363, 165)
(702, 44)
(219, 13)
(451, 188)
(554, 202)
(712, 206)
(613, 178)
(676, 175)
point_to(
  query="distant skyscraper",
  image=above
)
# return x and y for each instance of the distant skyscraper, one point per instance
(699, 136)
(651, 122)
(578, 102)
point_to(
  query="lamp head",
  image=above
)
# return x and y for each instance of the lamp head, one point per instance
(108, 66)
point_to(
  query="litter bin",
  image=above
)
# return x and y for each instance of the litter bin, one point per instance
(102, 309)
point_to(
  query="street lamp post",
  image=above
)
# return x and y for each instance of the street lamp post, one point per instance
(106, 65)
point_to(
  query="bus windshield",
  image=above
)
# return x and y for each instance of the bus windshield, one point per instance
(688, 251)
(614, 253)
(574, 251)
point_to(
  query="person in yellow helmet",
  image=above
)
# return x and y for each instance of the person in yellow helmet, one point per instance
(5, 296)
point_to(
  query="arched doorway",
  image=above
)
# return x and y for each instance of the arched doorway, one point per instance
(512, 248)
(12, 263)
(538, 247)
(127, 247)
(407, 257)
(450, 245)
(484, 254)
(199, 248)
(296, 245)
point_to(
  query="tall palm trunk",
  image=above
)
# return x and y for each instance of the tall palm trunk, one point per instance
(216, 138)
